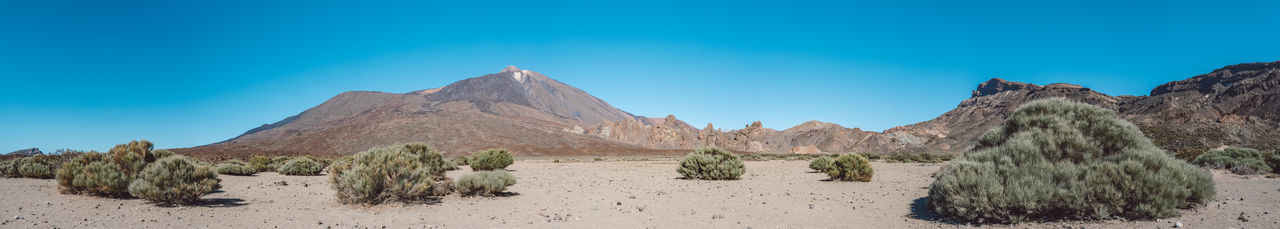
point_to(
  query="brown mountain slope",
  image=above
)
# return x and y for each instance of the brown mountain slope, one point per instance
(519, 110)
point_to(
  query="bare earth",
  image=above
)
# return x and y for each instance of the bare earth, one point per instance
(609, 194)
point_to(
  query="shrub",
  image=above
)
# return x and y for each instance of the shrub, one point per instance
(711, 163)
(850, 167)
(485, 183)
(459, 161)
(174, 180)
(37, 166)
(278, 161)
(1055, 159)
(300, 166)
(229, 168)
(1243, 161)
(401, 172)
(820, 164)
(491, 160)
(9, 169)
(107, 174)
(261, 163)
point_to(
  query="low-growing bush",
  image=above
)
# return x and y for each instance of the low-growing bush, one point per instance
(850, 167)
(1243, 161)
(820, 164)
(402, 172)
(484, 183)
(1054, 159)
(37, 166)
(460, 160)
(261, 163)
(174, 180)
(9, 169)
(491, 160)
(300, 166)
(278, 161)
(107, 174)
(903, 157)
(711, 163)
(236, 169)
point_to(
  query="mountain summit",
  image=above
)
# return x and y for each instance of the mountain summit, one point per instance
(520, 110)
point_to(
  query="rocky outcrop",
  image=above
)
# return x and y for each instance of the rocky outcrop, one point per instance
(25, 152)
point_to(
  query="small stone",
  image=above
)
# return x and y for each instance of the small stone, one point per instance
(619, 203)
(1177, 224)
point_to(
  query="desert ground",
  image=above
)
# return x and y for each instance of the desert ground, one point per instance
(584, 193)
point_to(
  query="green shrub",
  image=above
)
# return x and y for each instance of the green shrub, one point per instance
(300, 166)
(9, 169)
(850, 167)
(261, 163)
(459, 160)
(229, 168)
(711, 163)
(491, 160)
(1243, 161)
(1055, 159)
(403, 173)
(37, 166)
(174, 180)
(107, 174)
(278, 161)
(820, 164)
(485, 183)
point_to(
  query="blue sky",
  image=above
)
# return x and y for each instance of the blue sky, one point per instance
(90, 74)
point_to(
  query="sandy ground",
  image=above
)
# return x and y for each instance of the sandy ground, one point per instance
(609, 194)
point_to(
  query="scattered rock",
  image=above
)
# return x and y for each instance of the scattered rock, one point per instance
(1242, 217)
(1177, 224)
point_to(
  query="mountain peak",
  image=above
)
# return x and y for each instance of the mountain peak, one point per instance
(510, 68)
(997, 85)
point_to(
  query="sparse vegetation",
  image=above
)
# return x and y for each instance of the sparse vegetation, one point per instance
(491, 160)
(711, 163)
(403, 173)
(174, 180)
(1055, 159)
(1243, 161)
(234, 169)
(276, 162)
(850, 167)
(820, 164)
(903, 157)
(107, 174)
(9, 169)
(485, 183)
(37, 166)
(300, 166)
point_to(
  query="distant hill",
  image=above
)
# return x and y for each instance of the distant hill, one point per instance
(532, 114)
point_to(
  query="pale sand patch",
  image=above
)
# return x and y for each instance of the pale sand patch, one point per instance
(772, 194)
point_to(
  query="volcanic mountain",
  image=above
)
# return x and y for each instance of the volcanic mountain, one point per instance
(515, 109)
(531, 114)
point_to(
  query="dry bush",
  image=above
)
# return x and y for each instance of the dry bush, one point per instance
(850, 167)
(300, 166)
(1243, 161)
(107, 174)
(174, 180)
(234, 169)
(1055, 159)
(820, 164)
(491, 160)
(711, 163)
(485, 183)
(402, 173)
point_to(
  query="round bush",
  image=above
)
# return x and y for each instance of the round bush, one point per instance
(820, 164)
(236, 169)
(1243, 161)
(485, 183)
(107, 174)
(850, 167)
(1055, 159)
(711, 163)
(9, 169)
(38, 166)
(261, 163)
(401, 173)
(300, 166)
(174, 180)
(491, 160)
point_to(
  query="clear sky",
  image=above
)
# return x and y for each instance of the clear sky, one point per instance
(90, 74)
